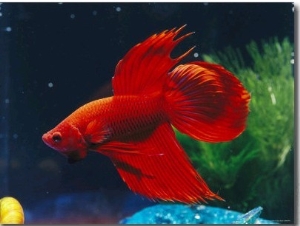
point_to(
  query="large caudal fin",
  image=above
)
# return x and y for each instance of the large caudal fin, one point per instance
(143, 70)
(207, 102)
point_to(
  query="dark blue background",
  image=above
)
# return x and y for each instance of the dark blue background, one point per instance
(78, 55)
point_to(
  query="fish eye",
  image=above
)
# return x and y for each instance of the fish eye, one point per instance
(56, 137)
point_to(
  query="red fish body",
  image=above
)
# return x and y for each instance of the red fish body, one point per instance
(133, 127)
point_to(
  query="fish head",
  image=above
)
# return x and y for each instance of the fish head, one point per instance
(68, 141)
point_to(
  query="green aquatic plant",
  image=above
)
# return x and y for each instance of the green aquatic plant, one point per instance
(253, 169)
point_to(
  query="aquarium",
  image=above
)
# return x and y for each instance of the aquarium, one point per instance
(196, 126)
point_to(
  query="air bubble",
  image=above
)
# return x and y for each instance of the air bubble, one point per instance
(50, 84)
(95, 13)
(118, 9)
(8, 29)
(196, 55)
(72, 16)
(6, 101)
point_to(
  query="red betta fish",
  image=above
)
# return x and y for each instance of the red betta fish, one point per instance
(133, 127)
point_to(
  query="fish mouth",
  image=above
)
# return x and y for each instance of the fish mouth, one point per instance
(45, 138)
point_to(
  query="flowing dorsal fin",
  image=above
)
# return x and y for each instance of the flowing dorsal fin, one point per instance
(143, 70)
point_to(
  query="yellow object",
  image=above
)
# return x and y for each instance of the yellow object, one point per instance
(11, 211)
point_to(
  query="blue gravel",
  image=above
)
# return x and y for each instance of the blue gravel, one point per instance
(198, 214)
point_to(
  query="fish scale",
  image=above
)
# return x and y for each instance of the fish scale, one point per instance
(139, 113)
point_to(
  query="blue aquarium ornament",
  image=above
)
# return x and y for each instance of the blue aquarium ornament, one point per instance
(198, 214)
(250, 217)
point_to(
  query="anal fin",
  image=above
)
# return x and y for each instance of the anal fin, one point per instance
(161, 170)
